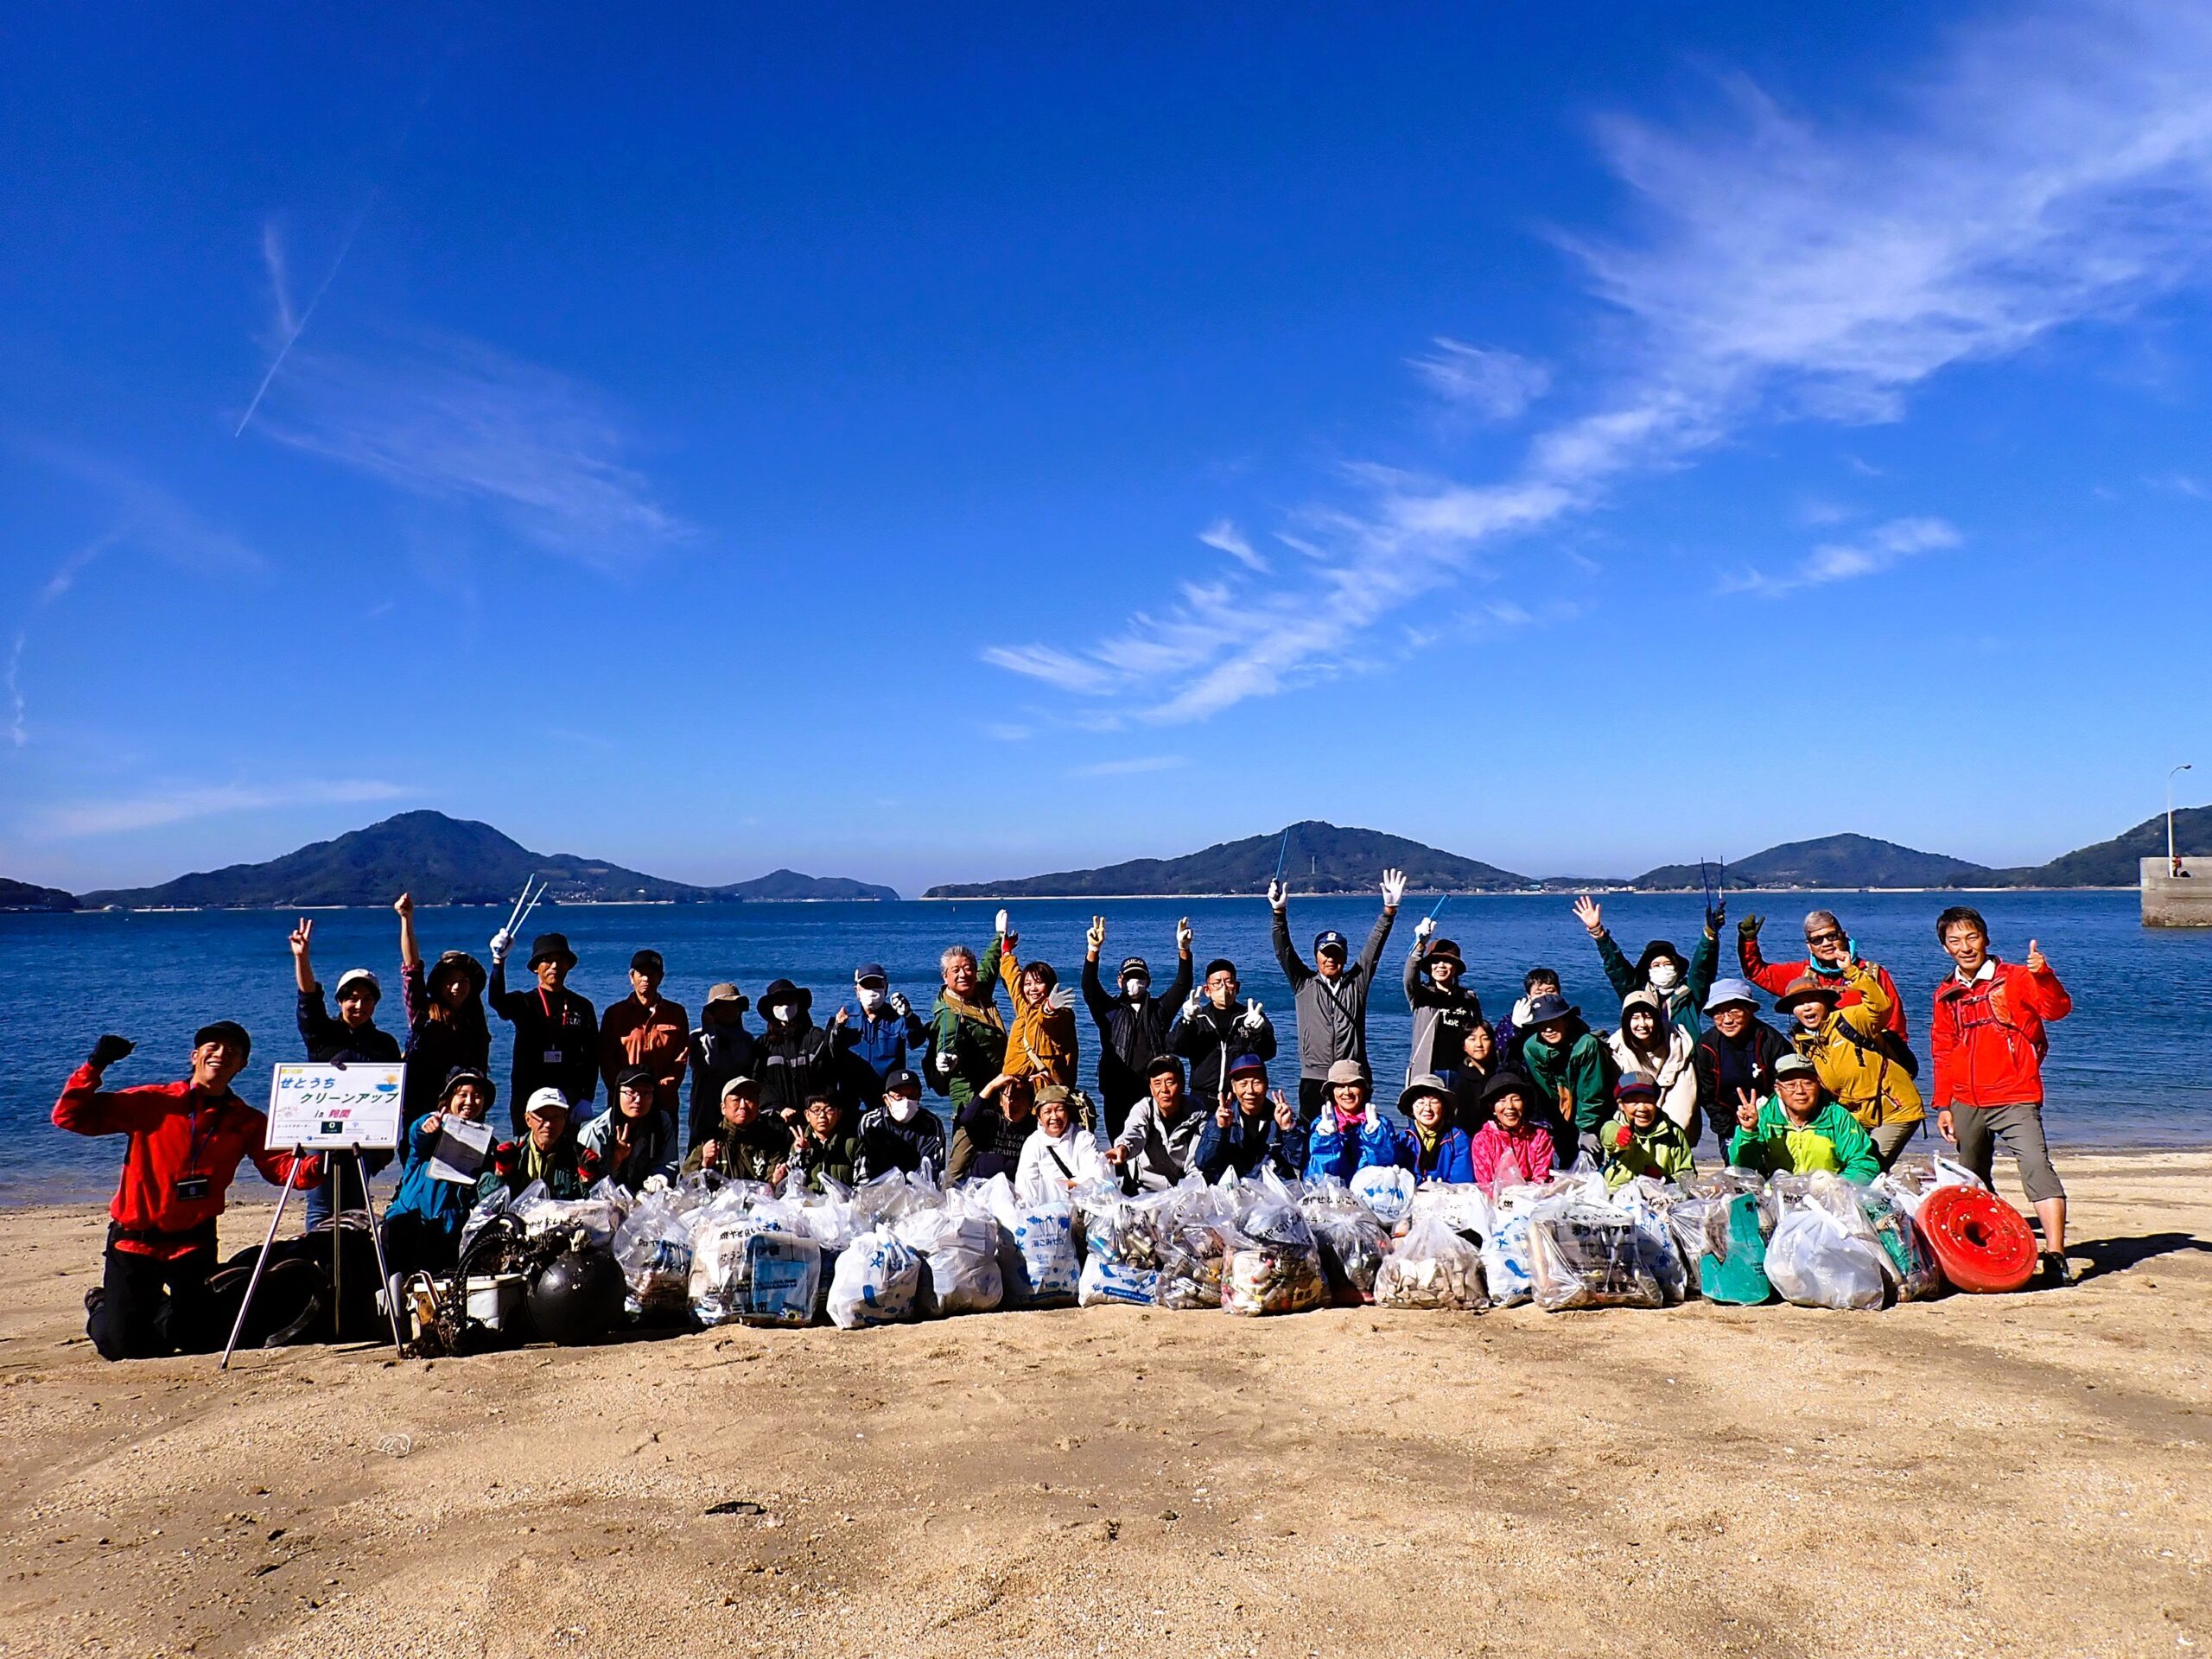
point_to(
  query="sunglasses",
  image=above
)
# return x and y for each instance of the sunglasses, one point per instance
(1830, 937)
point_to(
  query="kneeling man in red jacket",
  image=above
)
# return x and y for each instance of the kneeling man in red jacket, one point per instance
(187, 1139)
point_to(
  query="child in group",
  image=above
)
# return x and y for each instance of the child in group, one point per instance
(1509, 1150)
(1642, 1140)
(1479, 1063)
(421, 1230)
(823, 1147)
(1513, 1030)
(1430, 1145)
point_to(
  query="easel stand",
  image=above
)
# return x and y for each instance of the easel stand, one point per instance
(337, 1269)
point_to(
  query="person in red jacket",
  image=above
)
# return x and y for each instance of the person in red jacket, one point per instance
(187, 1139)
(1827, 954)
(1989, 1045)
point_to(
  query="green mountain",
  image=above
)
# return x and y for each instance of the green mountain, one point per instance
(1831, 861)
(1316, 857)
(21, 896)
(789, 887)
(2112, 863)
(443, 861)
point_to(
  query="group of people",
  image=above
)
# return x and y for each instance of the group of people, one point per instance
(1183, 1081)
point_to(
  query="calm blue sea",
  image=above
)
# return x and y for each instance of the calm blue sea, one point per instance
(2131, 1067)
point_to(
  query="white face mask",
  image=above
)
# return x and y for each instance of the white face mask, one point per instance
(1135, 988)
(1664, 974)
(871, 997)
(902, 1108)
(784, 1013)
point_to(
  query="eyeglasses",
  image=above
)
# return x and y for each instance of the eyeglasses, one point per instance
(1831, 937)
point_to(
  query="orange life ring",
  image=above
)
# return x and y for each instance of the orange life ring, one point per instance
(1982, 1243)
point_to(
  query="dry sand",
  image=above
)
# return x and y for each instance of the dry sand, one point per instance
(2022, 1474)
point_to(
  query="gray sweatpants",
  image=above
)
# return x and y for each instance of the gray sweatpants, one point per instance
(2020, 1128)
(1892, 1139)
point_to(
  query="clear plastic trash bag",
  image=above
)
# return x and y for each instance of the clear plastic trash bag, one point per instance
(783, 1280)
(960, 1257)
(1432, 1266)
(653, 1247)
(1585, 1255)
(1386, 1189)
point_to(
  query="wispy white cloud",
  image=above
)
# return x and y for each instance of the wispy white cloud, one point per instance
(1131, 768)
(1887, 546)
(69, 820)
(2047, 170)
(1223, 535)
(1496, 385)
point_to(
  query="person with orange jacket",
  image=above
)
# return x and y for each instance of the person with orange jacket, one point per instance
(1989, 1047)
(1829, 959)
(187, 1140)
(645, 1029)
(1042, 1038)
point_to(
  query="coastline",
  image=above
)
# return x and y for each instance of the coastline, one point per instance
(1996, 1475)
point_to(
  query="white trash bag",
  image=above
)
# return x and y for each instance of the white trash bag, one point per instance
(1812, 1261)
(875, 1282)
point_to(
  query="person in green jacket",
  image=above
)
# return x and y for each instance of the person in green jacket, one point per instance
(1679, 986)
(824, 1146)
(1801, 1130)
(1640, 1139)
(1570, 1066)
(966, 1045)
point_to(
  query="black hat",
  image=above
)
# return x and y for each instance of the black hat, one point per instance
(1219, 965)
(869, 970)
(1446, 950)
(1133, 965)
(1509, 1082)
(901, 1081)
(781, 991)
(458, 962)
(1550, 1011)
(461, 1074)
(1655, 950)
(552, 947)
(630, 1074)
(224, 1031)
(1163, 1065)
(648, 962)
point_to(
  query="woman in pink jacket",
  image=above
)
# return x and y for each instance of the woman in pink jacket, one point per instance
(1509, 1150)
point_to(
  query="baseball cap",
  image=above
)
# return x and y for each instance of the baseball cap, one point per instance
(359, 975)
(902, 1082)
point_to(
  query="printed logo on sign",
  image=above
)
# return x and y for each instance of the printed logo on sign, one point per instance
(333, 1126)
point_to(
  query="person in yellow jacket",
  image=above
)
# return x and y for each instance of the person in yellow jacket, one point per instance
(1844, 1045)
(1042, 1037)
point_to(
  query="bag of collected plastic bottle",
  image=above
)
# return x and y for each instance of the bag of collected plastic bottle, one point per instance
(960, 1259)
(1121, 1246)
(1385, 1189)
(1353, 1239)
(653, 1247)
(1271, 1263)
(783, 1280)
(875, 1282)
(889, 1197)
(1814, 1262)
(1585, 1255)
(1646, 1202)
(596, 1215)
(1432, 1266)
(1907, 1263)
(1188, 1230)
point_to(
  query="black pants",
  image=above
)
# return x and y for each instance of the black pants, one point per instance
(1312, 1095)
(149, 1305)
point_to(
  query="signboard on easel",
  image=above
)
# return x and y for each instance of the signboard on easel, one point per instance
(325, 1107)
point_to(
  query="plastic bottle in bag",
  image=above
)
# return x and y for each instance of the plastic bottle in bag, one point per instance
(1432, 1266)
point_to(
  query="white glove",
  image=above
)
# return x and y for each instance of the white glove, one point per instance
(502, 942)
(655, 1183)
(1000, 924)
(944, 1066)
(1061, 998)
(1253, 1019)
(1370, 1119)
(1183, 936)
(1393, 889)
(1278, 894)
(899, 1005)
(1422, 929)
(1194, 1003)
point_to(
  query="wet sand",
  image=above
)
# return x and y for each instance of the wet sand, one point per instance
(2025, 1474)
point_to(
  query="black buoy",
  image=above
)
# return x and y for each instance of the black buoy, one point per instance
(576, 1297)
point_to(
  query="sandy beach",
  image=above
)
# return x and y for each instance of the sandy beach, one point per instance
(2026, 1474)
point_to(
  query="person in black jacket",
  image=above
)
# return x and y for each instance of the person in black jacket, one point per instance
(1445, 1008)
(797, 1057)
(900, 1134)
(722, 1048)
(353, 1039)
(1738, 1051)
(557, 1032)
(1215, 1029)
(1134, 1025)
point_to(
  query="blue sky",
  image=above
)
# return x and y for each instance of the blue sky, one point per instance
(926, 444)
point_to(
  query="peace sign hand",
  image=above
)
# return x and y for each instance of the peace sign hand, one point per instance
(302, 934)
(1747, 1109)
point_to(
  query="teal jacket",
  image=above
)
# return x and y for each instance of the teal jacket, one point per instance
(1684, 1000)
(1661, 1151)
(1582, 1069)
(1834, 1140)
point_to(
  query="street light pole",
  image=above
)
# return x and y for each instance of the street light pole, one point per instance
(2184, 767)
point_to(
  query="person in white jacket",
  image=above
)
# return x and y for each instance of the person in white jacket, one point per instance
(1648, 1042)
(1061, 1154)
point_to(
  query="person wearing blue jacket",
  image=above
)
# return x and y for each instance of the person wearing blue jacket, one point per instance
(886, 1036)
(1244, 1132)
(421, 1229)
(1428, 1144)
(1348, 1137)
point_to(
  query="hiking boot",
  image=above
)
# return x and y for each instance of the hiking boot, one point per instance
(2057, 1275)
(93, 1298)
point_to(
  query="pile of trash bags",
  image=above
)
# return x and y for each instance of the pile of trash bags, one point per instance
(705, 1251)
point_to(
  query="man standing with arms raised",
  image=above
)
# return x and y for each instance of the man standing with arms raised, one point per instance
(557, 1032)
(1330, 996)
(1132, 1026)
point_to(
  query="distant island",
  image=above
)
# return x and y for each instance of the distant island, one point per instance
(445, 861)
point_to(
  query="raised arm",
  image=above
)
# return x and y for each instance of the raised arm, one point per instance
(1286, 956)
(302, 965)
(1094, 994)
